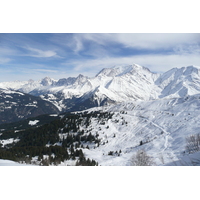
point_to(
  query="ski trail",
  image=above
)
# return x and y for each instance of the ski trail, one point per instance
(169, 153)
(162, 129)
(166, 143)
(166, 135)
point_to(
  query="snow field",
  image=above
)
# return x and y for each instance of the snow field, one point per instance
(32, 123)
(11, 163)
(162, 126)
(8, 141)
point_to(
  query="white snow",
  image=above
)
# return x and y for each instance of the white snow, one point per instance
(31, 105)
(8, 141)
(34, 122)
(162, 126)
(53, 115)
(187, 160)
(12, 92)
(11, 163)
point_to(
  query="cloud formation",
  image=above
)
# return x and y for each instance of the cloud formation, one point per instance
(4, 60)
(39, 53)
(61, 55)
(139, 40)
(156, 63)
(46, 70)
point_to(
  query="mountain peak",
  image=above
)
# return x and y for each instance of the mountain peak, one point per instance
(193, 66)
(47, 81)
(120, 70)
(80, 76)
(119, 83)
(191, 69)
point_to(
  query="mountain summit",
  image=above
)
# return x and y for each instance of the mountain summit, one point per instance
(116, 84)
(179, 82)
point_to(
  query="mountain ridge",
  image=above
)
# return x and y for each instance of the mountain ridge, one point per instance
(117, 84)
(16, 106)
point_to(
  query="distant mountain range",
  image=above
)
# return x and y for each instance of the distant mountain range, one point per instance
(112, 85)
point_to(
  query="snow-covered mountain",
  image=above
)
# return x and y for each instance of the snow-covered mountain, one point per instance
(112, 85)
(15, 106)
(179, 82)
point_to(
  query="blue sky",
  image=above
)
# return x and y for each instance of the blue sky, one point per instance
(35, 56)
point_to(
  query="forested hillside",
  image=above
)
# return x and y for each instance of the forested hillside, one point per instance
(52, 143)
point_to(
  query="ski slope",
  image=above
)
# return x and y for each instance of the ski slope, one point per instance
(161, 125)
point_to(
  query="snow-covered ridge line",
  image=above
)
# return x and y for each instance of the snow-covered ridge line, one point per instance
(117, 84)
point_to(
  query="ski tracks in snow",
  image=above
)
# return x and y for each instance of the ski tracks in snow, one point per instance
(169, 153)
(166, 135)
(162, 129)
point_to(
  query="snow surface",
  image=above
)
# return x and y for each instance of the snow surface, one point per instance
(11, 163)
(187, 160)
(34, 122)
(8, 141)
(162, 126)
(53, 115)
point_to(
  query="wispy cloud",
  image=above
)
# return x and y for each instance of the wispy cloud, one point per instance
(46, 70)
(64, 55)
(24, 72)
(4, 60)
(156, 63)
(187, 49)
(165, 51)
(7, 51)
(155, 40)
(135, 40)
(73, 43)
(40, 53)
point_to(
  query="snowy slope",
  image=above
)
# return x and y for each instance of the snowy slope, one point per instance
(161, 125)
(187, 160)
(11, 163)
(179, 82)
(117, 84)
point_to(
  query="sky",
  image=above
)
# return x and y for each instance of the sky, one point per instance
(25, 56)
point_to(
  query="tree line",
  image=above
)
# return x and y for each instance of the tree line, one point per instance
(45, 140)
